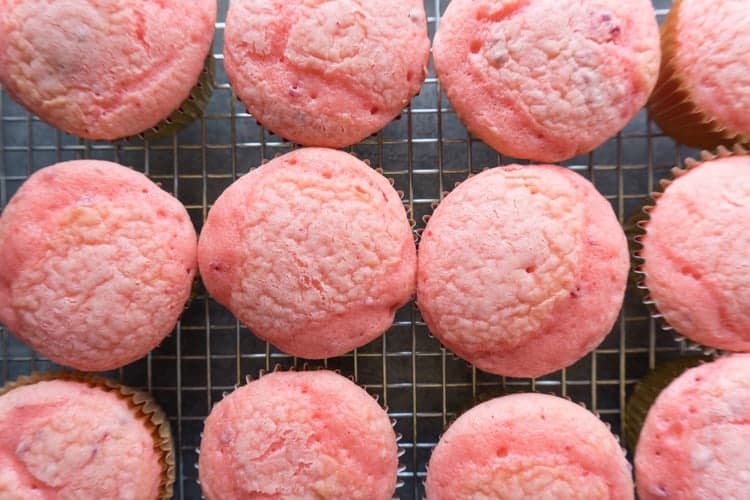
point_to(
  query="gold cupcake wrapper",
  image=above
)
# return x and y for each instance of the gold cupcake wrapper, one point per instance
(307, 368)
(636, 229)
(197, 288)
(139, 402)
(401, 194)
(670, 105)
(191, 108)
(646, 392)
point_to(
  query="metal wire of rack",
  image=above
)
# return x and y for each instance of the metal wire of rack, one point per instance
(425, 151)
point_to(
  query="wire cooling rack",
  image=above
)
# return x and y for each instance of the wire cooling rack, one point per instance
(425, 151)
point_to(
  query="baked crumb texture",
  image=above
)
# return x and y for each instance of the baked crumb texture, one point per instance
(313, 251)
(547, 80)
(98, 262)
(326, 72)
(62, 439)
(103, 69)
(299, 435)
(693, 252)
(522, 270)
(694, 441)
(528, 446)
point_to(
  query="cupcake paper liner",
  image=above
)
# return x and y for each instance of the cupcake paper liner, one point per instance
(646, 392)
(670, 105)
(636, 229)
(139, 402)
(191, 108)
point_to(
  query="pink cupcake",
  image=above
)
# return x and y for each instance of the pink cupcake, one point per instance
(312, 251)
(326, 73)
(98, 262)
(547, 80)
(695, 251)
(695, 442)
(298, 435)
(81, 436)
(107, 69)
(522, 270)
(703, 92)
(528, 446)
(648, 389)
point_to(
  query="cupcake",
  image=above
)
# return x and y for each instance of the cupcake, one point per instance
(108, 69)
(98, 262)
(312, 251)
(703, 92)
(298, 435)
(80, 436)
(695, 249)
(547, 80)
(326, 73)
(528, 446)
(522, 270)
(695, 442)
(646, 392)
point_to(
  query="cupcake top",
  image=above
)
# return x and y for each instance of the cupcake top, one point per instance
(547, 79)
(313, 251)
(528, 446)
(694, 443)
(711, 42)
(695, 251)
(522, 270)
(326, 73)
(648, 389)
(103, 69)
(98, 262)
(67, 439)
(298, 435)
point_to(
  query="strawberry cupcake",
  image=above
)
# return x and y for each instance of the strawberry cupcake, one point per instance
(80, 436)
(326, 73)
(695, 248)
(108, 69)
(98, 262)
(703, 92)
(695, 442)
(646, 392)
(522, 270)
(528, 446)
(547, 80)
(313, 251)
(298, 435)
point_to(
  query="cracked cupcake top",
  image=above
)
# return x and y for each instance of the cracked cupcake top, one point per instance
(522, 269)
(528, 446)
(98, 262)
(547, 79)
(326, 73)
(312, 251)
(103, 69)
(65, 439)
(298, 435)
(694, 441)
